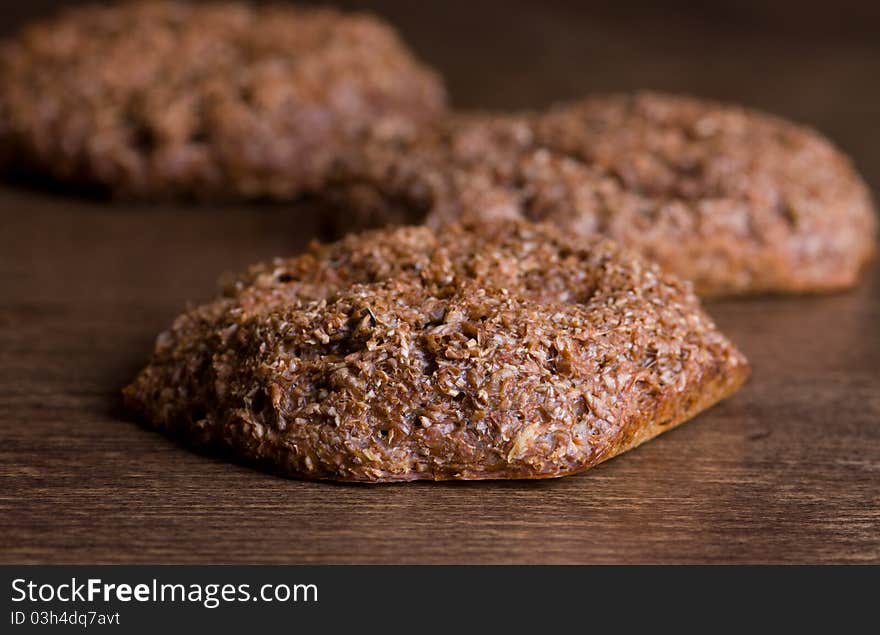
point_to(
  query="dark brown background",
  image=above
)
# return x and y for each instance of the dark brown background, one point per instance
(786, 471)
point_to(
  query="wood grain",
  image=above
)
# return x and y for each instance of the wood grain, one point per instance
(786, 471)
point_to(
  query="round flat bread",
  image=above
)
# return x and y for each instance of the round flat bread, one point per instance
(500, 350)
(734, 200)
(169, 99)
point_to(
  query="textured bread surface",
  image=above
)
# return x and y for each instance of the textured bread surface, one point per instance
(501, 350)
(737, 201)
(169, 99)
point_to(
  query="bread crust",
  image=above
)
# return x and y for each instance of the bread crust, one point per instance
(167, 99)
(496, 350)
(737, 201)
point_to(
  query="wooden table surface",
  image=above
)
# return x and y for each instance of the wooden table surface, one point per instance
(788, 470)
